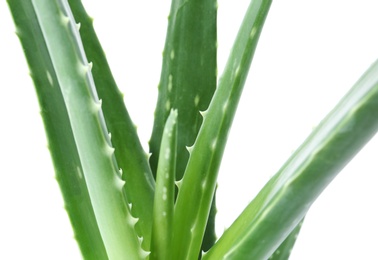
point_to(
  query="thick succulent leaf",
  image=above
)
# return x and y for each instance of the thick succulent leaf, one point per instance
(199, 181)
(62, 146)
(286, 198)
(99, 169)
(129, 153)
(161, 244)
(188, 79)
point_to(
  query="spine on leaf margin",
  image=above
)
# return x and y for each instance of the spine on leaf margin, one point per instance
(62, 145)
(73, 77)
(129, 153)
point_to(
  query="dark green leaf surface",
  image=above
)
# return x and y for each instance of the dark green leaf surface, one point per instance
(68, 169)
(286, 198)
(188, 77)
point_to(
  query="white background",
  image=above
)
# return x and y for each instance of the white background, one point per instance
(309, 55)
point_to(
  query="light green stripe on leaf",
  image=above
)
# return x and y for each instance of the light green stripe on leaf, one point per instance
(115, 223)
(62, 146)
(129, 153)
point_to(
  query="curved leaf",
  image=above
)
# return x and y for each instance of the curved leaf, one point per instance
(286, 198)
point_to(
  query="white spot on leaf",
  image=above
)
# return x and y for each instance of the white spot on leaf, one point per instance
(165, 193)
(167, 105)
(49, 78)
(237, 71)
(214, 144)
(79, 173)
(196, 100)
(203, 185)
(170, 84)
(225, 106)
(253, 32)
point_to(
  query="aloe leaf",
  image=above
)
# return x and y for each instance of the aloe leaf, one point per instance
(62, 146)
(96, 154)
(199, 181)
(129, 153)
(286, 198)
(165, 192)
(283, 252)
(188, 79)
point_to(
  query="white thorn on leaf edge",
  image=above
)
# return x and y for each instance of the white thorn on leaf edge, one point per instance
(203, 113)
(144, 254)
(133, 220)
(189, 148)
(178, 183)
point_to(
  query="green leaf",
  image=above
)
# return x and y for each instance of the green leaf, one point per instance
(129, 153)
(188, 78)
(286, 198)
(62, 146)
(199, 181)
(161, 244)
(72, 71)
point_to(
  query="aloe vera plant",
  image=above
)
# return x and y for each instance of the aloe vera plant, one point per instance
(117, 209)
